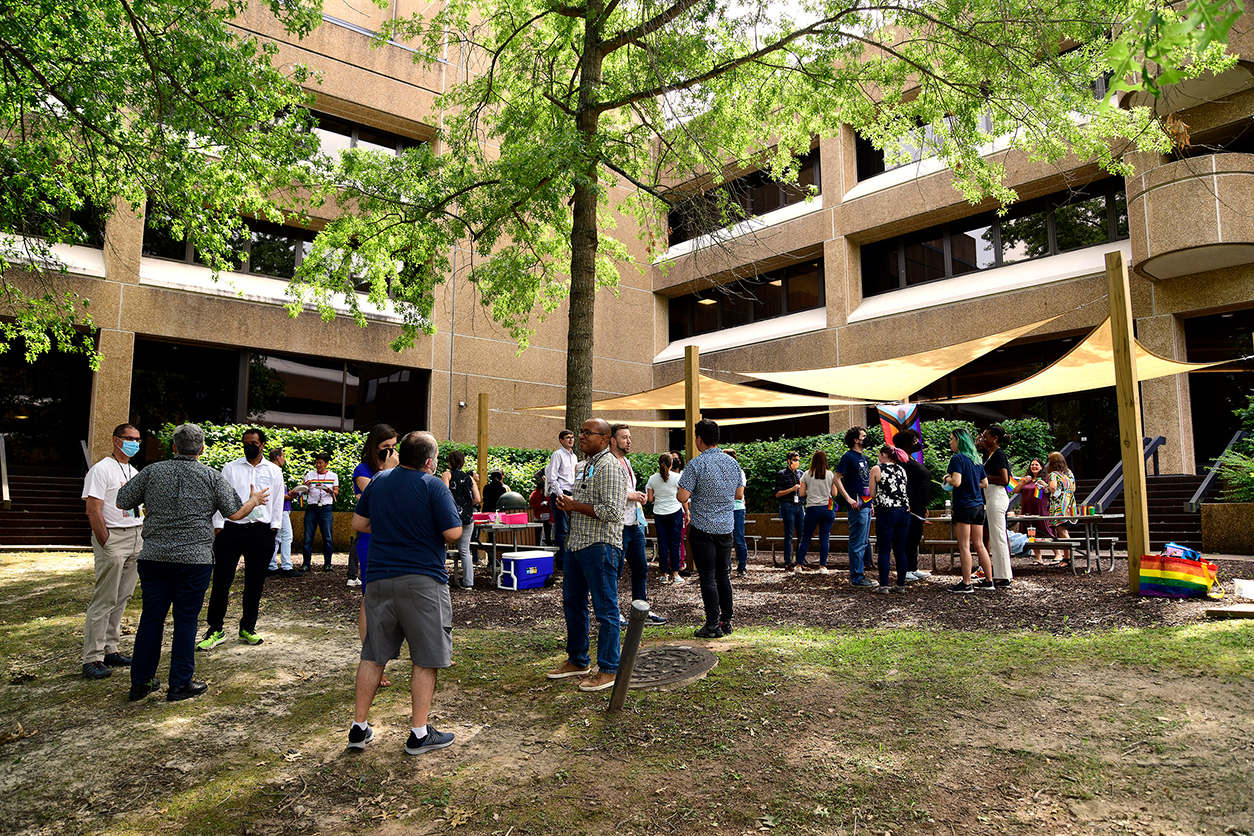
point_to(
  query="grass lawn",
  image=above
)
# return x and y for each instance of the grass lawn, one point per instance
(899, 728)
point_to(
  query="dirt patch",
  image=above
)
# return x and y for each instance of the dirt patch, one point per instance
(796, 731)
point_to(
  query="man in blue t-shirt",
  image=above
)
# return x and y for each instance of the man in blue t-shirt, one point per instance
(410, 517)
(854, 485)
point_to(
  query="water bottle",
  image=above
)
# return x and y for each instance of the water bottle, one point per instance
(949, 508)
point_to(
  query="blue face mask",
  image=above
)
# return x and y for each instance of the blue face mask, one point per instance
(130, 447)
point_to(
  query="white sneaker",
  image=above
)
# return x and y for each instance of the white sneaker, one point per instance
(678, 581)
(796, 568)
(354, 582)
(912, 576)
(822, 570)
(922, 574)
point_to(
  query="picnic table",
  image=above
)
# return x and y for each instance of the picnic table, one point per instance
(1090, 546)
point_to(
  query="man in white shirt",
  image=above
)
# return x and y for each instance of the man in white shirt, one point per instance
(252, 537)
(633, 528)
(559, 476)
(116, 540)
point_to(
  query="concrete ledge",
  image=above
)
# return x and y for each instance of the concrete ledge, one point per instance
(1228, 528)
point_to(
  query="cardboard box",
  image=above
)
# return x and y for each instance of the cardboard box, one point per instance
(525, 569)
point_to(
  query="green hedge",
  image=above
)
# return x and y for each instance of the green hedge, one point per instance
(1030, 438)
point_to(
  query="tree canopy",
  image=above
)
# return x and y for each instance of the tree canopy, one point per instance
(562, 100)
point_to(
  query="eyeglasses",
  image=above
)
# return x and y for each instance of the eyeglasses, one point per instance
(128, 438)
(589, 432)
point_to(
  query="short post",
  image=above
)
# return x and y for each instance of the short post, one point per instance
(627, 660)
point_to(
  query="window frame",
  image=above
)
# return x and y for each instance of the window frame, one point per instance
(745, 287)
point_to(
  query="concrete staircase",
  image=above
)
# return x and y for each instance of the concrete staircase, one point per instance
(1168, 521)
(46, 511)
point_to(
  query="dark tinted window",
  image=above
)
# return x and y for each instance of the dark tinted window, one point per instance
(925, 258)
(804, 288)
(790, 289)
(1082, 222)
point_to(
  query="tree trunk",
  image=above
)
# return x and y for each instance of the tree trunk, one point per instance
(584, 233)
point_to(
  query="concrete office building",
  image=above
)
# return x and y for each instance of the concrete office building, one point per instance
(881, 263)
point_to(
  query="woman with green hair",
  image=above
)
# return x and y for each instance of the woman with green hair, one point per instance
(966, 478)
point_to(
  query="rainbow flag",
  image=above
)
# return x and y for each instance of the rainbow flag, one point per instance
(1012, 484)
(895, 417)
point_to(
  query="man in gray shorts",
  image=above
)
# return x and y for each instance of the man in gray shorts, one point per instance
(410, 516)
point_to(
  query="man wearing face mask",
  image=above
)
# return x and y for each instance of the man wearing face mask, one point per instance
(116, 540)
(252, 537)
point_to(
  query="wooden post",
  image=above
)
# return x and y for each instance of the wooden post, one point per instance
(481, 453)
(692, 399)
(1128, 398)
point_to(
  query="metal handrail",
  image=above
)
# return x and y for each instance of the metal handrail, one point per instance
(1112, 483)
(5, 501)
(1066, 451)
(86, 456)
(1212, 476)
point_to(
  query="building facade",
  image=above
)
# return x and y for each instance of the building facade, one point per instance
(882, 262)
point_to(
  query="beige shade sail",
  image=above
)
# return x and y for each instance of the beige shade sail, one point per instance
(722, 422)
(1090, 365)
(885, 381)
(715, 394)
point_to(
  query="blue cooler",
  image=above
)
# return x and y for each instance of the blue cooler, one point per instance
(525, 570)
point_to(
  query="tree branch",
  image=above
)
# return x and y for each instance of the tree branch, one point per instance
(646, 27)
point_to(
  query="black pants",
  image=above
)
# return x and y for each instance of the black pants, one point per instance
(914, 533)
(712, 555)
(255, 542)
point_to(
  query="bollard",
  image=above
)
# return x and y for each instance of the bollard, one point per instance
(627, 659)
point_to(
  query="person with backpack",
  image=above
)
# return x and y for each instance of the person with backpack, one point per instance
(465, 489)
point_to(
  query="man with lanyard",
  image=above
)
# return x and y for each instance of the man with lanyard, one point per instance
(708, 487)
(854, 485)
(633, 528)
(791, 508)
(116, 540)
(559, 476)
(594, 551)
(252, 537)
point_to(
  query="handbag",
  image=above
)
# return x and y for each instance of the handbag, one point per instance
(1165, 576)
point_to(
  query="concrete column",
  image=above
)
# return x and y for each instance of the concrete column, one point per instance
(110, 390)
(1166, 408)
(111, 386)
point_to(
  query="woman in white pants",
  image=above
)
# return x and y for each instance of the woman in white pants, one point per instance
(997, 501)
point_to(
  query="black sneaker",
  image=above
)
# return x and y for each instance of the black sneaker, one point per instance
(726, 627)
(1001, 583)
(117, 660)
(985, 586)
(742, 573)
(138, 692)
(359, 737)
(708, 632)
(654, 620)
(327, 568)
(431, 741)
(185, 692)
(96, 670)
(962, 588)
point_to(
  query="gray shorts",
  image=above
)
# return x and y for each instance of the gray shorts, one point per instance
(412, 608)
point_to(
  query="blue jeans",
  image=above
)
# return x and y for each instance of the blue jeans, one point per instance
(891, 525)
(670, 530)
(318, 517)
(822, 518)
(792, 514)
(859, 541)
(592, 571)
(637, 562)
(738, 535)
(165, 585)
(283, 548)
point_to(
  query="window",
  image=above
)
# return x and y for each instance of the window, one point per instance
(1067, 221)
(792, 289)
(870, 160)
(266, 250)
(753, 194)
(335, 134)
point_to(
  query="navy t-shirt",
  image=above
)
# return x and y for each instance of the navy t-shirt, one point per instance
(409, 511)
(968, 494)
(855, 474)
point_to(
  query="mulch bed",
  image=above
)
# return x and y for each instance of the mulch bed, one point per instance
(1049, 599)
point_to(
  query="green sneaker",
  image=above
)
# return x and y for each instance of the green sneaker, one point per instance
(250, 637)
(212, 639)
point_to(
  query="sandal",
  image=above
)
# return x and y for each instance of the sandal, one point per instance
(384, 682)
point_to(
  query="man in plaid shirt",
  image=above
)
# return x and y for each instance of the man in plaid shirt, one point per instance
(594, 553)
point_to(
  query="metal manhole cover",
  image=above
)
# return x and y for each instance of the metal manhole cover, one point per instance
(669, 665)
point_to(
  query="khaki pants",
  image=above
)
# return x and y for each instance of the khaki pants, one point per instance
(116, 574)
